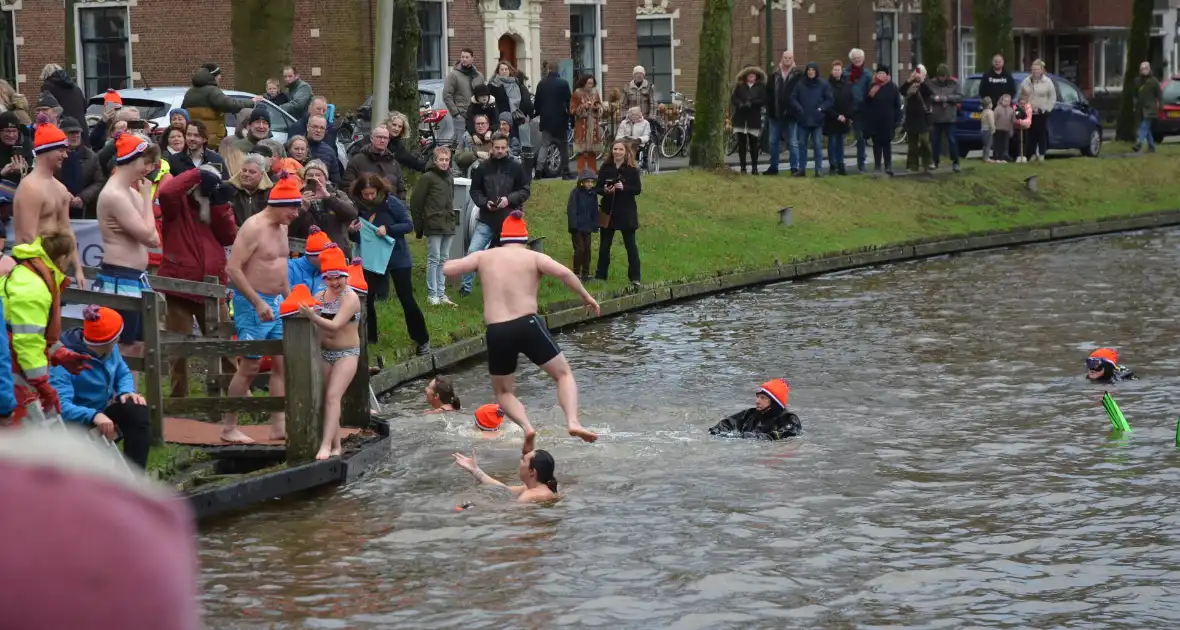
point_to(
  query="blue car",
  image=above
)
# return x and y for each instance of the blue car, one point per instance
(1073, 124)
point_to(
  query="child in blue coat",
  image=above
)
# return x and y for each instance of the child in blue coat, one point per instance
(581, 212)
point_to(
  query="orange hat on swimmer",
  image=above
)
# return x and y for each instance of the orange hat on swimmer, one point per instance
(332, 262)
(1109, 355)
(48, 137)
(488, 417)
(777, 390)
(356, 277)
(515, 230)
(100, 325)
(287, 191)
(129, 146)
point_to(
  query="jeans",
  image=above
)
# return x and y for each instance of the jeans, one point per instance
(777, 129)
(947, 129)
(986, 138)
(858, 130)
(479, 242)
(1145, 134)
(1000, 145)
(1037, 138)
(836, 151)
(438, 248)
(606, 236)
(813, 137)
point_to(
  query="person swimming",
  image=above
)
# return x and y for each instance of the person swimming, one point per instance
(441, 395)
(769, 419)
(1102, 366)
(535, 472)
(489, 417)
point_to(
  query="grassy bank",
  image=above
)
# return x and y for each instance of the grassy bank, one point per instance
(694, 224)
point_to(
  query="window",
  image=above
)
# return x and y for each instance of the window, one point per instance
(509, 5)
(886, 33)
(106, 49)
(430, 43)
(1110, 58)
(584, 40)
(1067, 93)
(915, 39)
(1172, 92)
(655, 52)
(8, 48)
(967, 53)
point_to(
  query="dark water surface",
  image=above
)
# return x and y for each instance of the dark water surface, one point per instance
(956, 469)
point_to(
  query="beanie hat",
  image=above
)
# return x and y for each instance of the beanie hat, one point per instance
(9, 120)
(481, 90)
(317, 240)
(100, 325)
(638, 70)
(263, 150)
(128, 146)
(112, 96)
(69, 124)
(291, 165)
(286, 192)
(213, 68)
(777, 390)
(332, 262)
(300, 296)
(883, 68)
(587, 174)
(514, 230)
(258, 113)
(506, 117)
(179, 110)
(48, 137)
(488, 417)
(356, 277)
(47, 100)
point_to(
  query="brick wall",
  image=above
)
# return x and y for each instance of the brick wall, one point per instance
(619, 51)
(1029, 14)
(1110, 13)
(555, 46)
(169, 49)
(39, 22)
(342, 50)
(463, 16)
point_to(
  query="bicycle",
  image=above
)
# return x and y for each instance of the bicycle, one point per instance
(730, 137)
(679, 134)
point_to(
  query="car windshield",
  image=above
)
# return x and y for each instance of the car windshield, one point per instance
(279, 121)
(1172, 92)
(971, 88)
(148, 109)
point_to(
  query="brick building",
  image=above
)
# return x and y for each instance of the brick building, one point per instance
(135, 43)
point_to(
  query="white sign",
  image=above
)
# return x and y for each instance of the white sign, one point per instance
(87, 234)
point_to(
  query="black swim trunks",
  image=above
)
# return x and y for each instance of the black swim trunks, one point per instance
(524, 335)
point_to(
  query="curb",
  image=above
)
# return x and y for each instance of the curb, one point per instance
(568, 314)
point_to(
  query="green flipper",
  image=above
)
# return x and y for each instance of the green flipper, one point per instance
(1117, 419)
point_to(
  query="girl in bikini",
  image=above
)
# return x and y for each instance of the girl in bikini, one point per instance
(339, 339)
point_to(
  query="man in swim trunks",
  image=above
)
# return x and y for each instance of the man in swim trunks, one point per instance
(510, 275)
(127, 221)
(258, 272)
(42, 204)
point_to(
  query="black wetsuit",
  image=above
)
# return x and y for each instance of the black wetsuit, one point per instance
(774, 424)
(1115, 374)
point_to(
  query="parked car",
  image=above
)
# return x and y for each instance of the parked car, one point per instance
(431, 109)
(1073, 124)
(1168, 123)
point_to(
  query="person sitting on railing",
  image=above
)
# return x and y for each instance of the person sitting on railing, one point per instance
(306, 268)
(103, 397)
(1103, 366)
(768, 419)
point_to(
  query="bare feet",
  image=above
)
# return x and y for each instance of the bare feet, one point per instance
(278, 431)
(576, 430)
(530, 440)
(234, 435)
(336, 452)
(324, 453)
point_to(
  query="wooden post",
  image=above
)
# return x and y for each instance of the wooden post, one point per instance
(213, 365)
(304, 382)
(354, 407)
(152, 370)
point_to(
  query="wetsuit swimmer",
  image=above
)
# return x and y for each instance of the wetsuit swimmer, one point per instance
(535, 471)
(767, 420)
(1103, 367)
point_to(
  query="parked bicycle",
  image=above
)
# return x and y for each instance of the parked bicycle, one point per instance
(678, 135)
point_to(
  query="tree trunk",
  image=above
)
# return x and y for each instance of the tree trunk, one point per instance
(1138, 51)
(993, 32)
(260, 33)
(934, 25)
(708, 134)
(403, 73)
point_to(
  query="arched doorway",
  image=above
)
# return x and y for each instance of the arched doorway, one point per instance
(507, 49)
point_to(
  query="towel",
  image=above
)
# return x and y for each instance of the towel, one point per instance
(375, 250)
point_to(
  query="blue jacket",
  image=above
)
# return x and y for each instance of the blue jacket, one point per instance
(395, 216)
(7, 396)
(300, 271)
(811, 99)
(860, 88)
(90, 392)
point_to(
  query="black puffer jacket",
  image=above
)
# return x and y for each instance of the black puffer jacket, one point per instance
(774, 424)
(68, 95)
(495, 179)
(746, 100)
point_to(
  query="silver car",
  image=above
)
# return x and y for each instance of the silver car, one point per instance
(431, 109)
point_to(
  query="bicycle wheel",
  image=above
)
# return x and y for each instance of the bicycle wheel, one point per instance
(672, 142)
(608, 137)
(731, 144)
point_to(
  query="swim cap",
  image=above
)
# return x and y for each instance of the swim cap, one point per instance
(488, 417)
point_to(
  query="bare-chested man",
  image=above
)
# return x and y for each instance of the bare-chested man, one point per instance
(42, 204)
(128, 226)
(258, 273)
(510, 275)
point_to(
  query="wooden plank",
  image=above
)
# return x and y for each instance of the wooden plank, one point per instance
(85, 296)
(226, 404)
(354, 406)
(136, 364)
(160, 283)
(152, 367)
(222, 348)
(304, 383)
(212, 311)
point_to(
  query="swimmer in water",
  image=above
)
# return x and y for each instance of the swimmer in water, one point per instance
(769, 419)
(1102, 366)
(441, 395)
(535, 471)
(488, 419)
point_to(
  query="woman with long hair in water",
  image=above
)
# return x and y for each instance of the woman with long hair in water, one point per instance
(535, 472)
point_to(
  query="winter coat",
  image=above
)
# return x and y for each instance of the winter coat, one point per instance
(811, 99)
(552, 105)
(383, 164)
(486, 109)
(500, 86)
(332, 215)
(247, 203)
(1044, 93)
(32, 308)
(195, 249)
(1026, 121)
(918, 99)
(495, 179)
(207, 103)
(643, 96)
(778, 94)
(459, 89)
(299, 96)
(843, 105)
(995, 85)
(404, 157)
(469, 149)
(882, 112)
(6, 152)
(395, 216)
(88, 393)
(987, 120)
(325, 152)
(586, 108)
(299, 128)
(82, 175)
(945, 110)
(69, 96)
(746, 101)
(640, 131)
(7, 395)
(301, 271)
(433, 204)
(1149, 96)
(181, 162)
(775, 424)
(1005, 119)
(860, 87)
(620, 205)
(581, 210)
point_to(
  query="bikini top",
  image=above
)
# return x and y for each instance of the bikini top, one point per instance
(330, 309)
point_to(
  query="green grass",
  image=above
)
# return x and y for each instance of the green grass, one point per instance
(168, 460)
(695, 224)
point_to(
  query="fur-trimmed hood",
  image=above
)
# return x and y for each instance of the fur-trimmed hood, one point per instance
(759, 72)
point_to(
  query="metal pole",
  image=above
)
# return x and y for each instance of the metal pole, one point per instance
(791, 25)
(959, 41)
(769, 71)
(384, 60)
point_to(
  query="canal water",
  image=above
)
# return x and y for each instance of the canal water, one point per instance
(956, 469)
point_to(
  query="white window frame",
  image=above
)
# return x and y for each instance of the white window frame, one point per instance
(597, 39)
(444, 52)
(78, 52)
(967, 36)
(1098, 66)
(671, 44)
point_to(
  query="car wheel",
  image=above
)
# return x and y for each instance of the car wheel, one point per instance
(963, 150)
(1095, 146)
(1158, 137)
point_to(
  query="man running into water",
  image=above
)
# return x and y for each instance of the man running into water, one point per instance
(42, 204)
(510, 275)
(535, 471)
(258, 272)
(127, 223)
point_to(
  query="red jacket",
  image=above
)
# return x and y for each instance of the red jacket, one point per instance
(195, 249)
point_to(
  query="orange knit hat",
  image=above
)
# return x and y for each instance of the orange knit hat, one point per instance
(514, 230)
(48, 137)
(488, 417)
(286, 192)
(128, 146)
(332, 262)
(300, 296)
(291, 165)
(777, 390)
(317, 240)
(112, 96)
(356, 277)
(100, 325)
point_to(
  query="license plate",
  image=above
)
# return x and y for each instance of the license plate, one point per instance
(1174, 114)
(976, 115)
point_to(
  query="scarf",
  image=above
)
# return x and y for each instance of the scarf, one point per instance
(855, 72)
(877, 83)
(511, 88)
